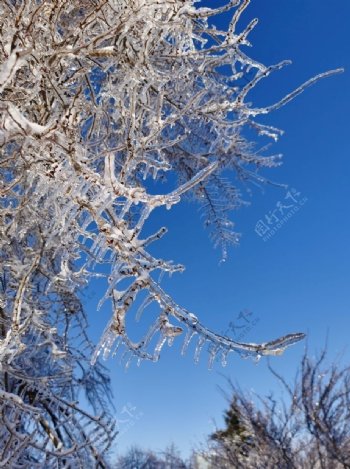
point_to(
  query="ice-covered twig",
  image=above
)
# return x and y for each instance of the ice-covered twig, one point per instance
(295, 93)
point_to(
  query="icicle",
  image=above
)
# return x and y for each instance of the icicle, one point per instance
(104, 204)
(159, 347)
(105, 345)
(146, 302)
(108, 343)
(104, 298)
(257, 358)
(155, 173)
(117, 346)
(170, 202)
(145, 214)
(105, 251)
(112, 280)
(109, 175)
(161, 276)
(99, 240)
(190, 333)
(145, 172)
(224, 354)
(212, 355)
(200, 343)
(223, 254)
(152, 330)
(125, 209)
(88, 219)
(129, 360)
(125, 355)
(171, 341)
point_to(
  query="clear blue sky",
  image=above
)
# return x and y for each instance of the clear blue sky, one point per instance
(296, 281)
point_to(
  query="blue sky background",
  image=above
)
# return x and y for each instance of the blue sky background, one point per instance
(296, 281)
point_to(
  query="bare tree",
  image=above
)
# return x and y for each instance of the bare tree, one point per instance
(309, 430)
(137, 458)
(172, 458)
(97, 98)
